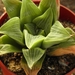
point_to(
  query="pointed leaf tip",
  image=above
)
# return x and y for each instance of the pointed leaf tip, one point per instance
(33, 55)
(12, 29)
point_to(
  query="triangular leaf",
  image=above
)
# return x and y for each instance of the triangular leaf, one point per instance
(67, 47)
(55, 10)
(63, 47)
(6, 48)
(28, 11)
(45, 4)
(71, 32)
(32, 56)
(12, 29)
(13, 7)
(45, 20)
(32, 41)
(4, 39)
(41, 32)
(60, 46)
(57, 35)
(30, 28)
(68, 42)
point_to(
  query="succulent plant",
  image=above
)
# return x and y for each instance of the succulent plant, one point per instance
(35, 31)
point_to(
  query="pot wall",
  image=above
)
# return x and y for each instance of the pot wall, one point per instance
(66, 14)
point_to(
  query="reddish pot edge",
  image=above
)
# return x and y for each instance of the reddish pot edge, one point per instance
(72, 72)
(5, 70)
(3, 17)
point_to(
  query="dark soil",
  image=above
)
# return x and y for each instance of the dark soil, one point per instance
(58, 65)
(12, 62)
(52, 65)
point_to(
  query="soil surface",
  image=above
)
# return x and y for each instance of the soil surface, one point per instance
(51, 66)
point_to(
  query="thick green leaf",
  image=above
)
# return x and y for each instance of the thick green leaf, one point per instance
(4, 39)
(35, 69)
(67, 47)
(28, 11)
(41, 32)
(45, 20)
(32, 56)
(30, 28)
(45, 4)
(13, 7)
(55, 10)
(57, 35)
(71, 32)
(12, 29)
(6, 48)
(62, 48)
(67, 43)
(32, 41)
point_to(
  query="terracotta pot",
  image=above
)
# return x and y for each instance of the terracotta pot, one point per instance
(72, 72)
(5, 70)
(65, 15)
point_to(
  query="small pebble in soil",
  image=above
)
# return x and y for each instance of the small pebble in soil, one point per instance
(51, 68)
(62, 62)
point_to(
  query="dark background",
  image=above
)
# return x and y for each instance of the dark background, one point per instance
(68, 3)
